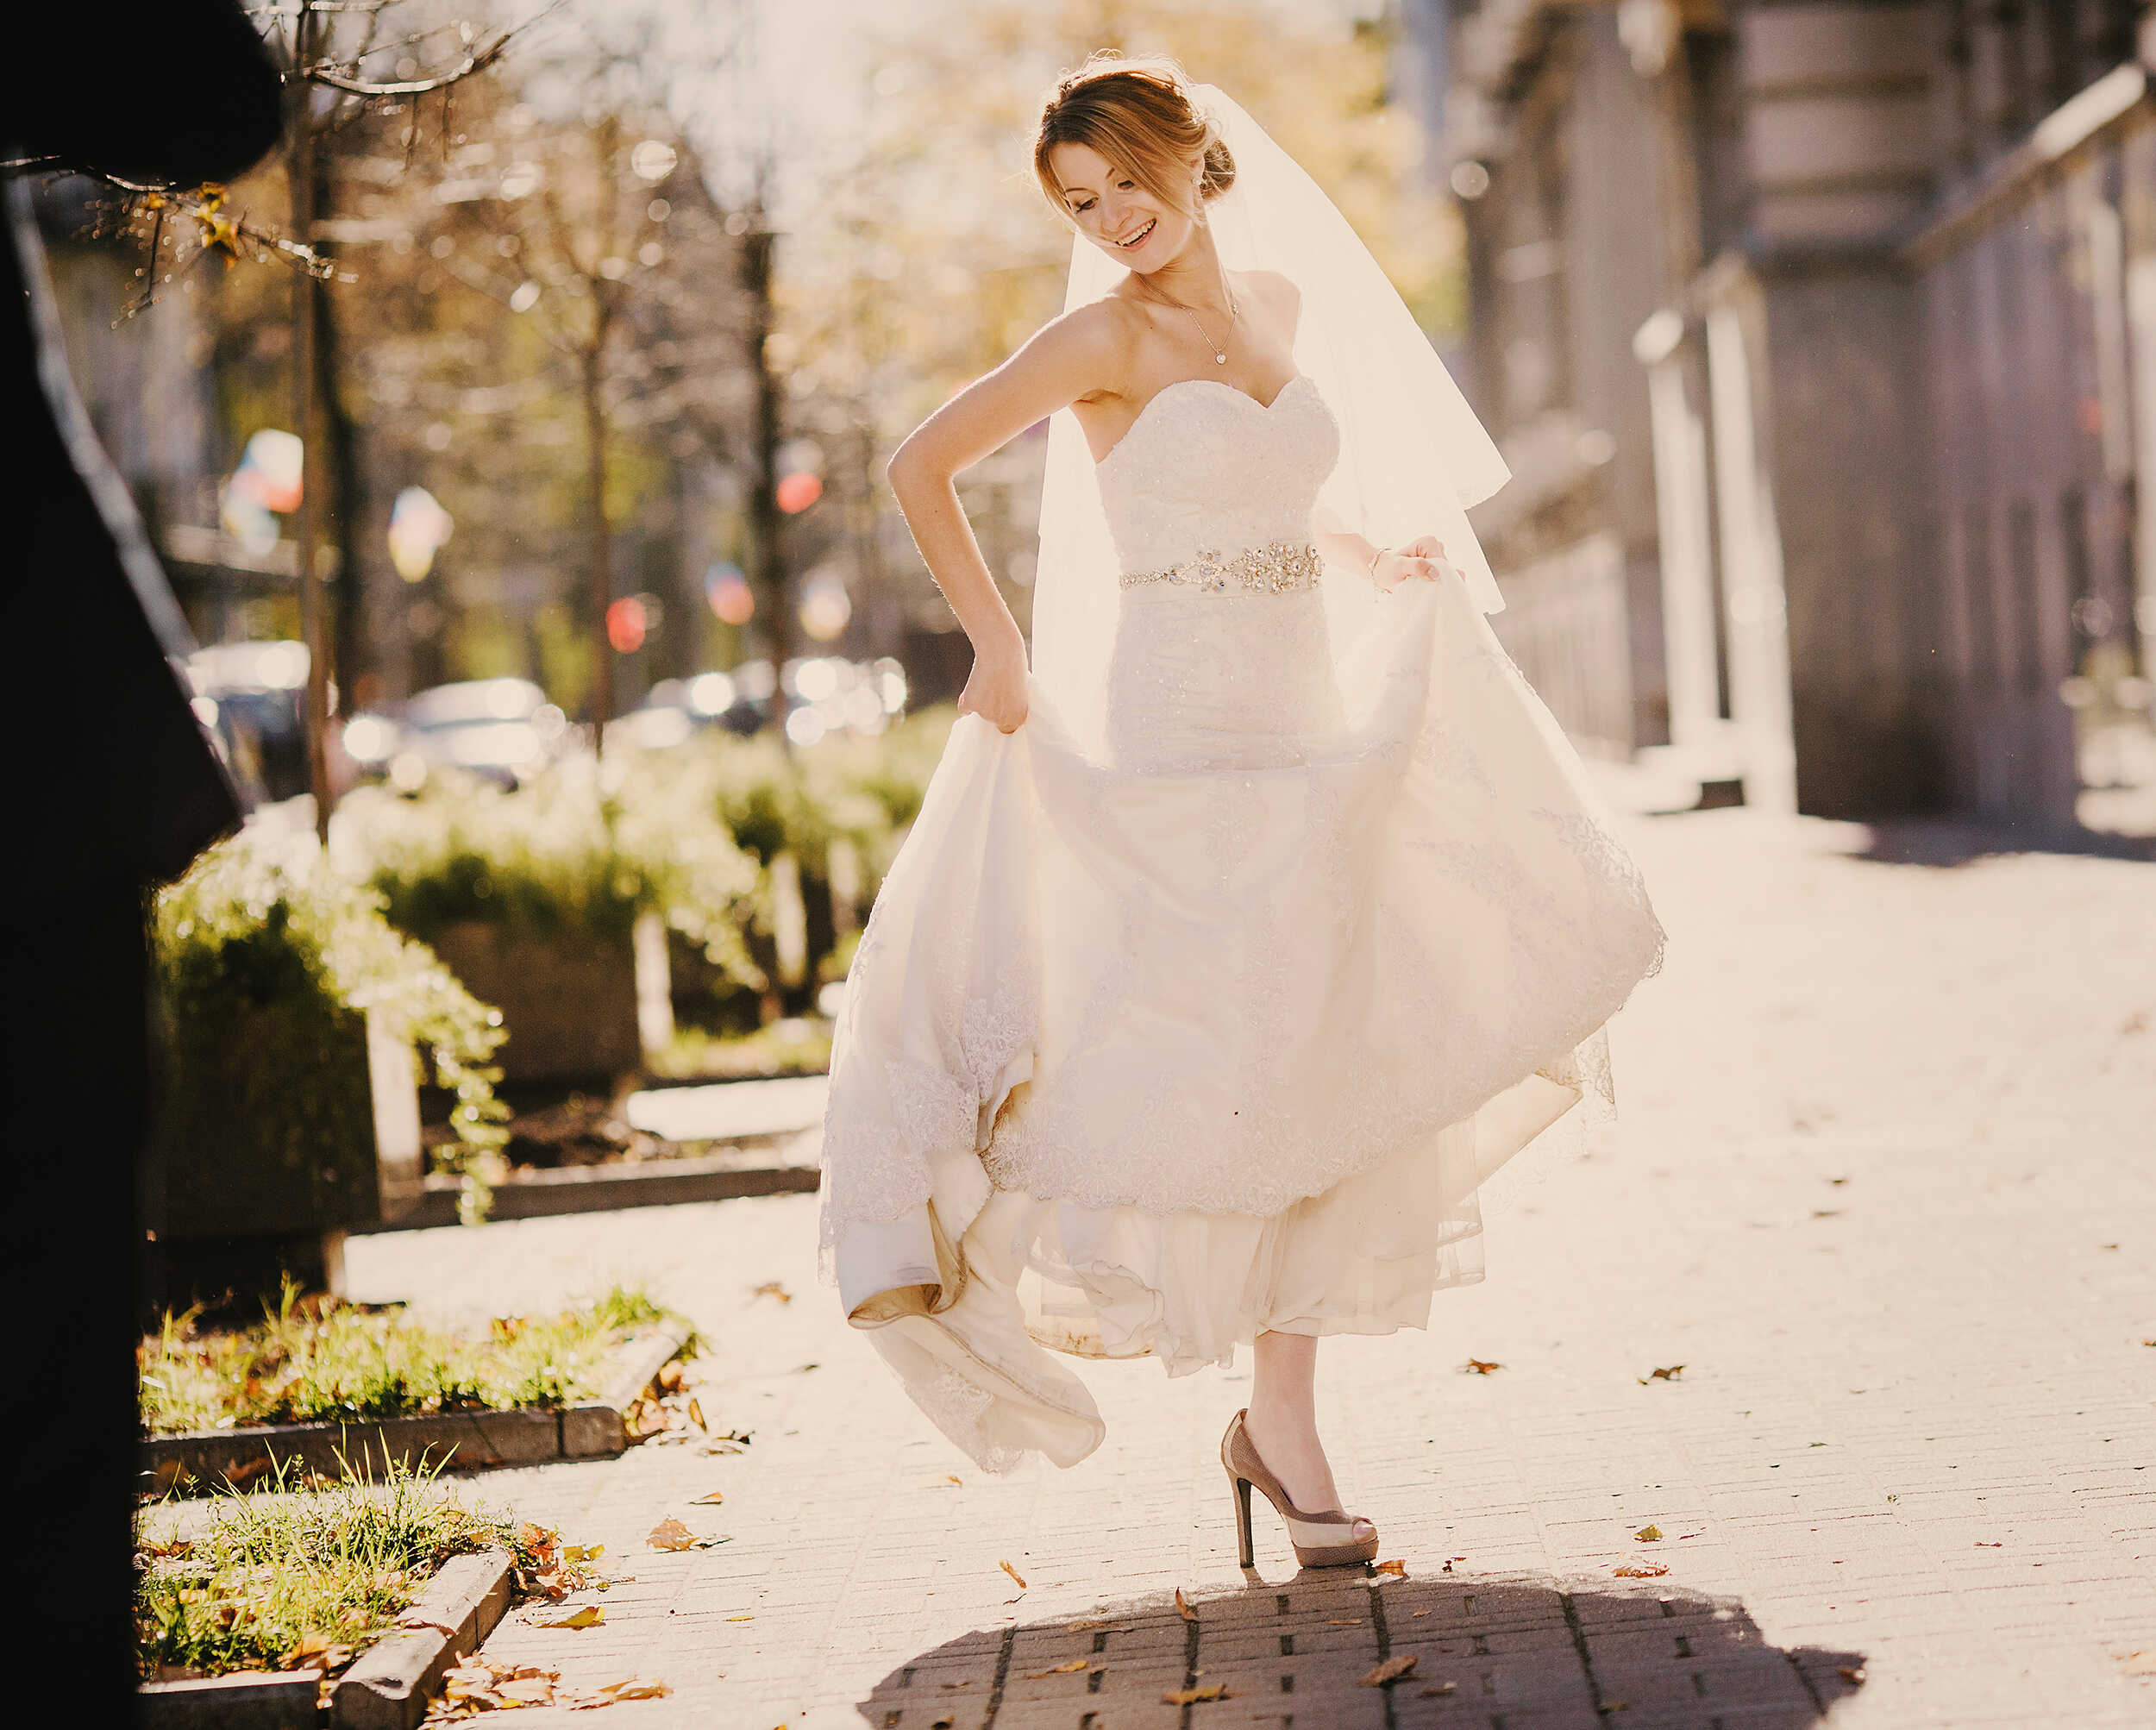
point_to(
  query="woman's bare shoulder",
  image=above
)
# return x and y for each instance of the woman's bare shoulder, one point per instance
(1270, 285)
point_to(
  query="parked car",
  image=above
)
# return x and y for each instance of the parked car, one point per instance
(503, 729)
(251, 696)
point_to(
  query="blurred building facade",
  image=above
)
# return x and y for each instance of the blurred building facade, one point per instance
(1821, 337)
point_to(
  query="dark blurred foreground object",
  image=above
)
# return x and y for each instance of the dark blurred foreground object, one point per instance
(114, 791)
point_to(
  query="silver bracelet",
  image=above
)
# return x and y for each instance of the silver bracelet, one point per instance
(1370, 571)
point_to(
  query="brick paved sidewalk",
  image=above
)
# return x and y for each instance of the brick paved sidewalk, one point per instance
(1887, 1193)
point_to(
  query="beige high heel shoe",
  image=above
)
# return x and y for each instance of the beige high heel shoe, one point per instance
(1323, 1539)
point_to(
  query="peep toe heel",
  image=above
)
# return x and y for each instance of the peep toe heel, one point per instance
(1324, 1538)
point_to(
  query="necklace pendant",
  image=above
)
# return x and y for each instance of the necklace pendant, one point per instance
(1220, 359)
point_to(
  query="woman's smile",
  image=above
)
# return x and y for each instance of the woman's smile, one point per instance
(1138, 239)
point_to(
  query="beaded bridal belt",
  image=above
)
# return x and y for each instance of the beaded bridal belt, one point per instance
(1278, 568)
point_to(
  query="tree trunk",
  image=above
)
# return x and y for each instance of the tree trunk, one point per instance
(313, 621)
(767, 574)
(599, 704)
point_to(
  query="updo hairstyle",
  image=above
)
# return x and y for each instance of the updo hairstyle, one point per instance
(1139, 113)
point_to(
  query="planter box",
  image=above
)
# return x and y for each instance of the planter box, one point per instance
(388, 1686)
(462, 1440)
(571, 1001)
(288, 1123)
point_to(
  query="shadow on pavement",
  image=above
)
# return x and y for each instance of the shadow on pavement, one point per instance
(1517, 1655)
(1945, 842)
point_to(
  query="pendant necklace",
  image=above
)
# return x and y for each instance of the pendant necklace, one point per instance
(1219, 354)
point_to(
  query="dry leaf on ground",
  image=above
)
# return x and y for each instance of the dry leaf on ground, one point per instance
(1397, 1566)
(1193, 1696)
(1668, 1375)
(696, 1415)
(744, 1616)
(633, 1687)
(1477, 1366)
(582, 1553)
(771, 1288)
(1640, 1571)
(1442, 1688)
(713, 1499)
(1059, 1669)
(670, 1534)
(1013, 1573)
(1182, 1607)
(588, 1616)
(1391, 1670)
(1647, 1534)
(409, 1621)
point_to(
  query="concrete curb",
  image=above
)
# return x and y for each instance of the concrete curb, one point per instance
(389, 1685)
(602, 1188)
(253, 1700)
(462, 1441)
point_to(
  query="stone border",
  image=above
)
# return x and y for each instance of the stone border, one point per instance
(601, 1188)
(247, 1700)
(389, 1685)
(460, 1440)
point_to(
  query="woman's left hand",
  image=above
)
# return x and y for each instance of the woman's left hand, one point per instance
(1422, 559)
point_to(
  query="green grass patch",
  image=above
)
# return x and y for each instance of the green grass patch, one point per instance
(318, 1359)
(275, 1580)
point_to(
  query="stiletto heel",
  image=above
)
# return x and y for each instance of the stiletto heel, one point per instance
(1241, 1486)
(1322, 1538)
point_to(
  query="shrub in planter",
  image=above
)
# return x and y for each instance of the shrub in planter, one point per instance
(293, 1010)
(554, 902)
(822, 824)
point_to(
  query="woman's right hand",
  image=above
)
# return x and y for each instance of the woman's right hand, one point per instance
(995, 690)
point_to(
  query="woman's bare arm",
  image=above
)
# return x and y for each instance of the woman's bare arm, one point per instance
(1080, 353)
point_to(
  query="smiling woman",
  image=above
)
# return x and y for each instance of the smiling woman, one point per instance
(1236, 946)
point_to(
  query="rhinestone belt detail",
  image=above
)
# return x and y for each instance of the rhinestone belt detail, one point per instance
(1278, 568)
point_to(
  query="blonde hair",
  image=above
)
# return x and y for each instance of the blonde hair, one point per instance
(1138, 114)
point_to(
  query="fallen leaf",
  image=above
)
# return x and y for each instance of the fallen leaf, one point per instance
(2139, 1663)
(1417, 1613)
(1668, 1375)
(696, 1416)
(771, 1288)
(1640, 1571)
(1182, 1607)
(1058, 1668)
(1442, 1688)
(1013, 1573)
(670, 1534)
(589, 1616)
(1389, 1672)
(1344, 1622)
(1647, 1534)
(406, 1622)
(1397, 1567)
(1476, 1366)
(582, 1553)
(1983, 1545)
(951, 1478)
(637, 1687)
(712, 1499)
(1193, 1696)
(744, 1616)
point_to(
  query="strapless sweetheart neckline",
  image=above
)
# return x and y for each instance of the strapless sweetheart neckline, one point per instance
(1137, 419)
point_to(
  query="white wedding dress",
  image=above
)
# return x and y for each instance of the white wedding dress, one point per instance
(1224, 1032)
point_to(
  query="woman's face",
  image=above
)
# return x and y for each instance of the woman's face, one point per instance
(1136, 229)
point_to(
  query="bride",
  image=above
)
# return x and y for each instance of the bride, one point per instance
(1239, 942)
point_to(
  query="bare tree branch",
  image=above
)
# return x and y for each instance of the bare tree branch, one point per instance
(476, 60)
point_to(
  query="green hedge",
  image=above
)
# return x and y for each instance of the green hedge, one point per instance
(269, 960)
